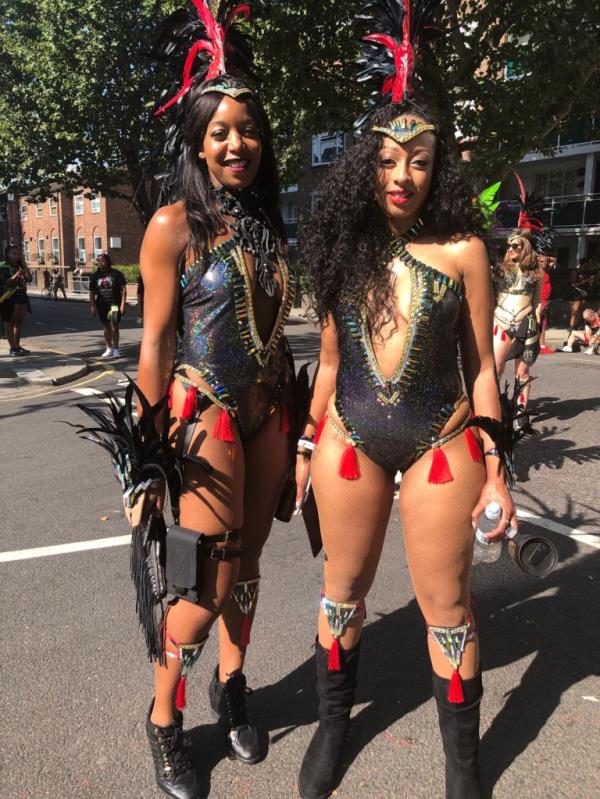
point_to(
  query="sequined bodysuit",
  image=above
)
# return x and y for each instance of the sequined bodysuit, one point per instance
(220, 341)
(396, 420)
(513, 319)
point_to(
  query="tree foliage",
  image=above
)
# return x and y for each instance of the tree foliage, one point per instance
(77, 87)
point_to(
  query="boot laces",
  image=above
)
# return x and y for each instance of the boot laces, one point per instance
(173, 755)
(235, 702)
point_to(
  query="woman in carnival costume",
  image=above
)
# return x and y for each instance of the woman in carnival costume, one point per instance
(401, 281)
(519, 283)
(214, 271)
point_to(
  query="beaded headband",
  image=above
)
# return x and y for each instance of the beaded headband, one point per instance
(401, 130)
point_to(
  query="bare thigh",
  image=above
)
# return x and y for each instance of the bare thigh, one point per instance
(438, 535)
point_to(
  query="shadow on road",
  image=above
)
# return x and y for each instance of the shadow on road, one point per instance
(549, 618)
(545, 449)
(546, 408)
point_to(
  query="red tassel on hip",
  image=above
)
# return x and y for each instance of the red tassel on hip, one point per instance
(189, 404)
(245, 633)
(503, 336)
(170, 395)
(223, 429)
(440, 468)
(180, 698)
(284, 419)
(333, 664)
(473, 444)
(495, 333)
(319, 429)
(455, 689)
(349, 468)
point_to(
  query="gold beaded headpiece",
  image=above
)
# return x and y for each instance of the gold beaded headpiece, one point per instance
(401, 130)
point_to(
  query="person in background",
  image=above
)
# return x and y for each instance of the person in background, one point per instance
(108, 296)
(590, 336)
(47, 278)
(14, 302)
(58, 284)
(140, 300)
(581, 283)
(547, 264)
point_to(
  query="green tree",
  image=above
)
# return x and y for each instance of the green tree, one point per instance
(77, 88)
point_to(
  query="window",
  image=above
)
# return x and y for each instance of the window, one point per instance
(290, 213)
(2, 213)
(53, 206)
(26, 253)
(290, 189)
(555, 183)
(41, 251)
(39, 209)
(540, 184)
(23, 212)
(95, 205)
(55, 250)
(78, 205)
(97, 246)
(327, 148)
(315, 201)
(81, 250)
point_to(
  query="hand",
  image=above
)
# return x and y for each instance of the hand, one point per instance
(93, 310)
(496, 490)
(151, 501)
(302, 478)
(122, 310)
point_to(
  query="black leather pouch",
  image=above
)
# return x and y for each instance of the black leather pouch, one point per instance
(311, 522)
(182, 566)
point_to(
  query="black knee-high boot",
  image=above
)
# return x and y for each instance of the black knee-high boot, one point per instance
(459, 725)
(319, 773)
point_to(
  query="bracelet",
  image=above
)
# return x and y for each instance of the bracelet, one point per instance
(307, 443)
(494, 451)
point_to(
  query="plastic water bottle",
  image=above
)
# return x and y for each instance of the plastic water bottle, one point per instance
(487, 551)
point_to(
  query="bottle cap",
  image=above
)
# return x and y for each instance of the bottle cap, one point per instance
(493, 510)
(537, 556)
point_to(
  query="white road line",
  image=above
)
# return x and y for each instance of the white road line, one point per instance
(86, 392)
(64, 549)
(122, 540)
(556, 527)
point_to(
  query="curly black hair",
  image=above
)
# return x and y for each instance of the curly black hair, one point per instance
(345, 244)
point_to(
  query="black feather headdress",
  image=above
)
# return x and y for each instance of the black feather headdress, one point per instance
(533, 218)
(391, 52)
(199, 45)
(140, 457)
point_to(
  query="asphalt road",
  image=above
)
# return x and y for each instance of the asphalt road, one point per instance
(76, 685)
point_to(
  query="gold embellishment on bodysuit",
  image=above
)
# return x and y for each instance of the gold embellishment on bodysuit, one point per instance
(217, 394)
(244, 308)
(439, 290)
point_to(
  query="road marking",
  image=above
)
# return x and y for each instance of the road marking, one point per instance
(64, 549)
(123, 540)
(24, 395)
(579, 536)
(93, 392)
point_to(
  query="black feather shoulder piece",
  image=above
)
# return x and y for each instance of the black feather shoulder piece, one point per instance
(514, 426)
(400, 30)
(199, 45)
(140, 457)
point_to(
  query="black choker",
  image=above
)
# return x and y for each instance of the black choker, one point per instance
(251, 234)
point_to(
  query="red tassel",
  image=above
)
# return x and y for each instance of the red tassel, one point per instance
(170, 395)
(319, 429)
(180, 699)
(455, 690)
(503, 336)
(223, 429)
(495, 333)
(189, 404)
(333, 664)
(245, 634)
(474, 448)
(284, 419)
(521, 399)
(440, 469)
(349, 468)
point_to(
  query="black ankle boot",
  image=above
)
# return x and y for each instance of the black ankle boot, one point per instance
(247, 742)
(175, 775)
(319, 773)
(459, 725)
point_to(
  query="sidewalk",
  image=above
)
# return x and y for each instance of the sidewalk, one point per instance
(41, 368)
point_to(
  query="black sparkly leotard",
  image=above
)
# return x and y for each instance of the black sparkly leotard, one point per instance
(396, 420)
(220, 341)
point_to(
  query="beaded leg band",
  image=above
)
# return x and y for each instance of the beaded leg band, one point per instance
(339, 615)
(187, 655)
(452, 642)
(245, 594)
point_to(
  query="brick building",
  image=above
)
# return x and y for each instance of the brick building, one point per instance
(70, 231)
